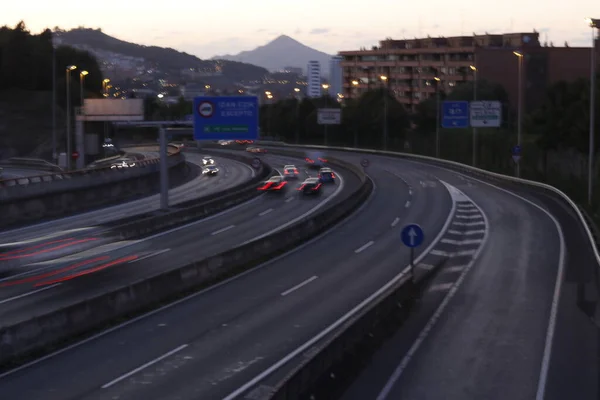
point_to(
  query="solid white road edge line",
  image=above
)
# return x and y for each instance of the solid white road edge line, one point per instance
(298, 286)
(187, 298)
(148, 364)
(364, 247)
(28, 293)
(156, 253)
(432, 321)
(541, 391)
(245, 387)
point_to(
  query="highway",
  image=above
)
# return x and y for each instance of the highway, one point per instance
(14, 173)
(232, 174)
(479, 332)
(234, 331)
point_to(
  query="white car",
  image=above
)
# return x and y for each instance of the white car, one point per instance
(210, 170)
(123, 164)
(208, 160)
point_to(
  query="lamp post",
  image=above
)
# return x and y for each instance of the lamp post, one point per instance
(105, 87)
(384, 79)
(269, 97)
(297, 90)
(54, 150)
(68, 75)
(82, 76)
(325, 87)
(519, 104)
(474, 69)
(437, 116)
(594, 24)
(353, 93)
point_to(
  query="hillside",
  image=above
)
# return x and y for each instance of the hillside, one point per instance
(280, 53)
(164, 59)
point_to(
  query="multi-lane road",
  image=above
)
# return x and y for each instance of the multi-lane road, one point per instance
(484, 328)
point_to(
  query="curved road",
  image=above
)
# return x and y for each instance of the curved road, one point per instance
(489, 339)
(232, 173)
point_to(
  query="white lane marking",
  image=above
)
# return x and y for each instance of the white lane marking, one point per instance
(265, 212)
(149, 255)
(467, 233)
(440, 287)
(467, 211)
(148, 364)
(410, 192)
(407, 204)
(466, 206)
(451, 254)
(427, 267)
(289, 199)
(462, 242)
(222, 230)
(458, 268)
(395, 221)
(364, 247)
(478, 216)
(343, 319)
(28, 293)
(468, 223)
(306, 214)
(432, 321)
(298, 286)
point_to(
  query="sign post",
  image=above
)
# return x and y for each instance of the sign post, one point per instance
(412, 236)
(455, 114)
(226, 118)
(329, 116)
(486, 114)
(516, 156)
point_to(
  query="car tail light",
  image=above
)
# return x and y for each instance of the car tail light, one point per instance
(281, 185)
(332, 175)
(317, 187)
(301, 187)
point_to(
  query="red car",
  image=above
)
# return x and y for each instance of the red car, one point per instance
(274, 184)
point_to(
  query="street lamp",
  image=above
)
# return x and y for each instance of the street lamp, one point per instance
(297, 90)
(520, 103)
(384, 79)
(82, 76)
(68, 72)
(437, 116)
(325, 135)
(105, 87)
(594, 24)
(474, 69)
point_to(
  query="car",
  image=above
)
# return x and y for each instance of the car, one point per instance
(123, 164)
(210, 170)
(253, 149)
(315, 160)
(208, 160)
(245, 141)
(311, 186)
(326, 175)
(274, 184)
(290, 172)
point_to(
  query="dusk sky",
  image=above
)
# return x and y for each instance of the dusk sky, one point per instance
(207, 28)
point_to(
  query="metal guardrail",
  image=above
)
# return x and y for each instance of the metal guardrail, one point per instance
(34, 163)
(462, 167)
(62, 176)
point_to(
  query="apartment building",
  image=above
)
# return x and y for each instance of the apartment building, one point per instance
(313, 77)
(335, 76)
(408, 67)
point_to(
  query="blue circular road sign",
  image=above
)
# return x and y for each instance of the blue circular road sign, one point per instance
(412, 235)
(516, 150)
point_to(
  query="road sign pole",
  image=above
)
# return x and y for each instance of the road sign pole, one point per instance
(437, 122)
(412, 262)
(325, 136)
(164, 170)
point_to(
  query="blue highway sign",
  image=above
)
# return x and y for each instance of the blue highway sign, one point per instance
(226, 118)
(455, 114)
(516, 150)
(412, 235)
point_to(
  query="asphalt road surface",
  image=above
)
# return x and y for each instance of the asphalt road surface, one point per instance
(488, 341)
(211, 344)
(232, 173)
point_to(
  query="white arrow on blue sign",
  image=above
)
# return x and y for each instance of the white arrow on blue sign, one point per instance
(412, 235)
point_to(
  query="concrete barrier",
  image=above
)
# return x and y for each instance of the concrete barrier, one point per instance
(41, 332)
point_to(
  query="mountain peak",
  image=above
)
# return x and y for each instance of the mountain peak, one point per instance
(283, 51)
